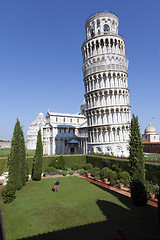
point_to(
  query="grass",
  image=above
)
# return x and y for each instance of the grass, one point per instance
(80, 210)
(152, 157)
(4, 152)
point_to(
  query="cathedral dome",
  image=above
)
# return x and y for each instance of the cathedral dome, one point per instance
(40, 116)
(150, 129)
(83, 104)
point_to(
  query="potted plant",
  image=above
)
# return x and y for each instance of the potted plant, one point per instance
(151, 189)
(113, 176)
(105, 174)
(124, 178)
(88, 167)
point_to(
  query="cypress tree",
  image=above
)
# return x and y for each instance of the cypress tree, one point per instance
(23, 159)
(38, 159)
(137, 165)
(14, 161)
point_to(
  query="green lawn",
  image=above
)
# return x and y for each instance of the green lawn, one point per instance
(80, 210)
(152, 157)
(4, 152)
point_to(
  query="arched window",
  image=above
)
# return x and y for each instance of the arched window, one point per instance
(106, 28)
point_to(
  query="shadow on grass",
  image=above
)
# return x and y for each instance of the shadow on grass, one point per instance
(138, 223)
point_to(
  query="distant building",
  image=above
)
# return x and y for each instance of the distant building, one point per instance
(39, 123)
(151, 140)
(5, 144)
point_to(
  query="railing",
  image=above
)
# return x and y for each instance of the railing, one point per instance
(98, 12)
(103, 34)
(104, 68)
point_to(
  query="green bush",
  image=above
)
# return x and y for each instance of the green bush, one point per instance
(64, 173)
(115, 167)
(104, 173)
(88, 167)
(71, 172)
(95, 171)
(113, 176)
(124, 177)
(9, 193)
(153, 173)
(50, 169)
(102, 162)
(81, 171)
(138, 194)
(152, 170)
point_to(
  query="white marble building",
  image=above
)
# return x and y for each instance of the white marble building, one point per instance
(104, 123)
(105, 70)
(150, 134)
(33, 129)
(62, 133)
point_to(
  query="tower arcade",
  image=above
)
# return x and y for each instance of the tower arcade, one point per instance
(105, 71)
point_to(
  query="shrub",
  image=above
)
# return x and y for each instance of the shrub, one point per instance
(95, 171)
(71, 172)
(104, 173)
(64, 173)
(81, 171)
(124, 177)
(88, 167)
(153, 173)
(115, 167)
(113, 176)
(50, 169)
(9, 193)
(138, 194)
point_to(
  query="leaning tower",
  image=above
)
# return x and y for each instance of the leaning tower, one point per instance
(105, 70)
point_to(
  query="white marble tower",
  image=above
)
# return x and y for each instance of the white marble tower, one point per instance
(105, 70)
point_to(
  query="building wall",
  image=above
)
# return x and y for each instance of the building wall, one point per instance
(105, 70)
(151, 147)
(60, 130)
(5, 144)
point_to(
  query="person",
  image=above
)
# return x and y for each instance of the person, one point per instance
(57, 185)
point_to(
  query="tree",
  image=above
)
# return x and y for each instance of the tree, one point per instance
(137, 165)
(38, 159)
(14, 161)
(23, 160)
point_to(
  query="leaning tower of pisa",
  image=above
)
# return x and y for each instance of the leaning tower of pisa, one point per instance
(105, 70)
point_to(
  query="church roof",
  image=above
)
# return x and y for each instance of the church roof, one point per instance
(150, 129)
(73, 141)
(66, 114)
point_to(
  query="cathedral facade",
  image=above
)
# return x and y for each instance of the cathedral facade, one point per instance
(104, 123)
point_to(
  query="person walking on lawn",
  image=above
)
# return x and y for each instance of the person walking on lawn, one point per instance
(57, 185)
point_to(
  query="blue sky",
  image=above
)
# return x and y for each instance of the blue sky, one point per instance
(41, 60)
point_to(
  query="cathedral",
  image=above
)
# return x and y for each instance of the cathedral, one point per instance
(103, 124)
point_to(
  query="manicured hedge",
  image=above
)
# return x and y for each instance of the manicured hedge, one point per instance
(72, 161)
(107, 162)
(153, 173)
(152, 170)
